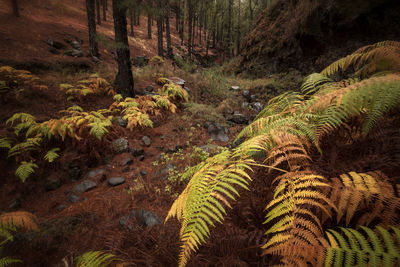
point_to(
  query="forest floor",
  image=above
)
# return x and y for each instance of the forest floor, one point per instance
(75, 222)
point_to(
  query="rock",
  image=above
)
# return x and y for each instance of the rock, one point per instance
(235, 88)
(49, 41)
(218, 132)
(246, 94)
(61, 207)
(137, 152)
(126, 160)
(85, 186)
(116, 181)
(253, 98)
(51, 184)
(171, 149)
(187, 90)
(238, 118)
(58, 45)
(76, 45)
(140, 61)
(120, 121)
(209, 148)
(245, 105)
(164, 172)
(96, 173)
(74, 172)
(257, 106)
(73, 53)
(54, 51)
(15, 204)
(126, 169)
(141, 158)
(144, 217)
(95, 59)
(227, 110)
(120, 145)
(149, 88)
(72, 198)
(146, 141)
(143, 173)
(178, 81)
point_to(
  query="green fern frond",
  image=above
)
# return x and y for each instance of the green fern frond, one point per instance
(5, 143)
(22, 117)
(52, 154)
(95, 259)
(202, 202)
(118, 97)
(25, 170)
(30, 144)
(65, 86)
(5, 261)
(314, 82)
(174, 92)
(354, 248)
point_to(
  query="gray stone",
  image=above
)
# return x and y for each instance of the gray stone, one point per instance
(253, 98)
(85, 186)
(125, 161)
(95, 173)
(49, 41)
(144, 217)
(116, 181)
(126, 169)
(235, 88)
(15, 204)
(140, 61)
(61, 207)
(137, 152)
(178, 81)
(76, 45)
(146, 141)
(245, 105)
(227, 111)
(73, 53)
(257, 106)
(74, 172)
(120, 145)
(141, 158)
(143, 173)
(164, 172)
(149, 88)
(72, 198)
(51, 184)
(217, 132)
(58, 45)
(120, 121)
(54, 51)
(237, 118)
(95, 59)
(246, 94)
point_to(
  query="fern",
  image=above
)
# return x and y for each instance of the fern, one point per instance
(5, 261)
(203, 200)
(95, 259)
(355, 248)
(5, 143)
(25, 170)
(52, 154)
(174, 91)
(314, 82)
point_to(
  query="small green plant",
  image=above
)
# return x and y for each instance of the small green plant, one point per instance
(95, 259)
(156, 61)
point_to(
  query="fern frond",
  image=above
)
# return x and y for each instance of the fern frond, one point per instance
(22, 117)
(314, 82)
(202, 202)
(354, 248)
(18, 219)
(25, 170)
(174, 91)
(5, 261)
(95, 259)
(5, 143)
(52, 154)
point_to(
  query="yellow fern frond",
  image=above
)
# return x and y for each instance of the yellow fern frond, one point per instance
(18, 219)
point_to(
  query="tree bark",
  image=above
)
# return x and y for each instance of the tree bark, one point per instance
(132, 21)
(14, 4)
(190, 21)
(90, 6)
(98, 12)
(168, 31)
(105, 10)
(149, 26)
(124, 80)
(160, 35)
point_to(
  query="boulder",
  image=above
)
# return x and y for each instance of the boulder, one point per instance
(218, 132)
(96, 173)
(72, 198)
(74, 171)
(73, 53)
(246, 94)
(125, 160)
(235, 88)
(146, 141)
(144, 217)
(140, 61)
(85, 186)
(76, 45)
(120, 145)
(238, 118)
(257, 106)
(116, 181)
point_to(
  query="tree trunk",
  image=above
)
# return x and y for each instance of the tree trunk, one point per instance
(105, 10)
(178, 16)
(90, 6)
(251, 11)
(238, 32)
(160, 30)
(132, 21)
(149, 26)
(14, 4)
(168, 32)
(190, 22)
(124, 79)
(98, 12)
